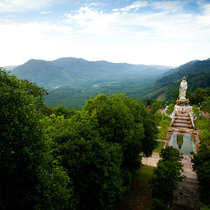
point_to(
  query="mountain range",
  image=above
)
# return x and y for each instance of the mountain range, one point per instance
(71, 81)
(74, 72)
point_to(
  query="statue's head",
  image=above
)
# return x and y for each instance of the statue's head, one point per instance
(184, 78)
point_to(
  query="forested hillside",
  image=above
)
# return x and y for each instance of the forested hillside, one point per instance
(76, 97)
(196, 72)
(74, 72)
(71, 81)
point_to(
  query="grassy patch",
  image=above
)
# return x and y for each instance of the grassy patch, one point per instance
(203, 125)
(144, 173)
(160, 145)
(140, 195)
(164, 124)
(162, 97)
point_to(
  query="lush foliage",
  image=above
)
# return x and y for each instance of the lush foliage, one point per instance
(56, 158)
(58, 111)
(203, 125)
(201, 164)
(38, 93)
(100, 147)
(164, 123)
(196, 112)
(30, 177)
(170, 109)
(159, 146)
(166, 177)
(93, 165)
(206, 104)
(199, 95)
(155, 106)
(201, 160)
(170, 154)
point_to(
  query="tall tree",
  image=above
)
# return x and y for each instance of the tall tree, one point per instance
(201, 164)
(93, 165)
(166, 177)
(25, 159)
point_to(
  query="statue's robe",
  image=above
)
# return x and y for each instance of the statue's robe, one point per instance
(182, 90)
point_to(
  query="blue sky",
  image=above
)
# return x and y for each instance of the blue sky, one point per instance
(140, 32)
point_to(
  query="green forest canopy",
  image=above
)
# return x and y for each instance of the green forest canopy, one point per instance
(52, 161)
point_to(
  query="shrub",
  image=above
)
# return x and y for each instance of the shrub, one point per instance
(166, 177)
(201, 164)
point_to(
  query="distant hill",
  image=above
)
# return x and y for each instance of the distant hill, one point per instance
(184, 66)
(196, 72)
(75, 72)
(9, 68)
(188, 69)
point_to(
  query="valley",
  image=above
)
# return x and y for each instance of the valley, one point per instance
(71, 81)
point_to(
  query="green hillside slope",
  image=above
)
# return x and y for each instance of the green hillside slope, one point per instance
(191, 68)
(196, 72)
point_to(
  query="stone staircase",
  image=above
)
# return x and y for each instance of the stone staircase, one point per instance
(182, 122)
(186, 196)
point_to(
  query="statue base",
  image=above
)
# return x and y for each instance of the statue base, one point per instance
(183, 108)
(182, 101)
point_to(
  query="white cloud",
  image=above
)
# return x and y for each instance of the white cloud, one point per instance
(162, 25)
(164, 37)
(21, 5)
(94, 4)
(206, 7)
(171, 6)
(45, 12)
(91, 21)
(136, 5)
(158, 38)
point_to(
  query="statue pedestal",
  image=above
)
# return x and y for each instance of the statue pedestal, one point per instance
(182, 109)
(182, 101)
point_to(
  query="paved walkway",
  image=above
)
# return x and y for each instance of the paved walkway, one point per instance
(151, 161)
(186, 197)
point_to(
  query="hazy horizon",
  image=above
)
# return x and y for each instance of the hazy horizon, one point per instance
(152, 64)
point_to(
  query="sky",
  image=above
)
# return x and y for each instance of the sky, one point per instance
(156, 32)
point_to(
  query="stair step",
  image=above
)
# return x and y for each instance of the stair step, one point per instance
(182, 126)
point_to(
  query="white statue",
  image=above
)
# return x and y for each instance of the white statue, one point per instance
(183, 89)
